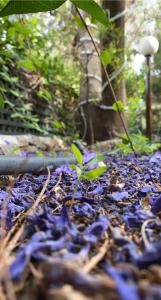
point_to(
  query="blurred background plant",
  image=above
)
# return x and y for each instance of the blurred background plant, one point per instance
(38, 72)
(140, 142)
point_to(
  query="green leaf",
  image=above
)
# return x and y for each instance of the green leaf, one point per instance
(77, 154)
(118, 106)
(93, 9)
(1, 102)
(124, 138)
(99, 158)
(39, 153)
(79, 22)
(72, 166)
(78, 171)
(107, 57)
(3, 3)
(8, 78)
(58, 124)
(16, 93)
(29, 6)
(27, 64)
(95, 173)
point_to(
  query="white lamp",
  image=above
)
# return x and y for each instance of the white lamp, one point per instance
(148, 45)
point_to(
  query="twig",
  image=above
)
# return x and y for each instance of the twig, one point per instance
(35, 272)
(143, 232)
(10, 245)
(58, 182)
(108, 80)
(84, 121)
(40, 196)
(9, 286)
(2, 295)
(97, 258)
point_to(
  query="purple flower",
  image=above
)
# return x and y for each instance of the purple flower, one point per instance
(30, 249)
(87, 157)
(9, 143)
(155, 203)
(135, 220)
(97, 191)
(116, 196)
(95, 232)
(127, 291)
(151, 256)
(84, 210)
(156, 158)
(145, 189)
(65, 169)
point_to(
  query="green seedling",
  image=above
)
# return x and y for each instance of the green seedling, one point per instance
(140, 142)
(97, 164)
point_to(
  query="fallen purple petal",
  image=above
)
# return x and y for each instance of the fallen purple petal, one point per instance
(72, 223)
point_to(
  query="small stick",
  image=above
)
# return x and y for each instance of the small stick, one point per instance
(58, 182)
(40, 196)
(143, 232)
(97, 258)
(35, 272)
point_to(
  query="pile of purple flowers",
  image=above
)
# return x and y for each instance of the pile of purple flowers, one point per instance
(96, 239)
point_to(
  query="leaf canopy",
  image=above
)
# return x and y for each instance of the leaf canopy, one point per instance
(28, 6)
(93, 9)
(3, 3)
(11, 7)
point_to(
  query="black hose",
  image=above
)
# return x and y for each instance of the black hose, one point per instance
(18, 165)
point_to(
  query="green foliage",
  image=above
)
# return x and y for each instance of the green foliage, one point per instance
(3, 3)
(98, 159)
(141, 144)
(97, 166)
(95, 173)
(93, 9)
(135, 82)
(136, 107)
(108, 55)
(1, 102)
(58, 124)
(118, 106)
(78, 155)
(79, 22)
(24, 7)
(33, 71)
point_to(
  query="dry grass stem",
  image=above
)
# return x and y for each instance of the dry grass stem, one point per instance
(97, 258)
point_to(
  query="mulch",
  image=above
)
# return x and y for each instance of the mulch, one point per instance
(101, 239)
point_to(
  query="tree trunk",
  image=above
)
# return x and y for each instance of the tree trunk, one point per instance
(99, 121)
(91, 83)
(110, 123)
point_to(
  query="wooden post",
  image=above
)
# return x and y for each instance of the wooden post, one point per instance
(148, 99)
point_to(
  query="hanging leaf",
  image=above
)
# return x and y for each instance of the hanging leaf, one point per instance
(3, 3)
(108, 55)
(1, 102)
(118, 106)
(93, 9)
(28, 6)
